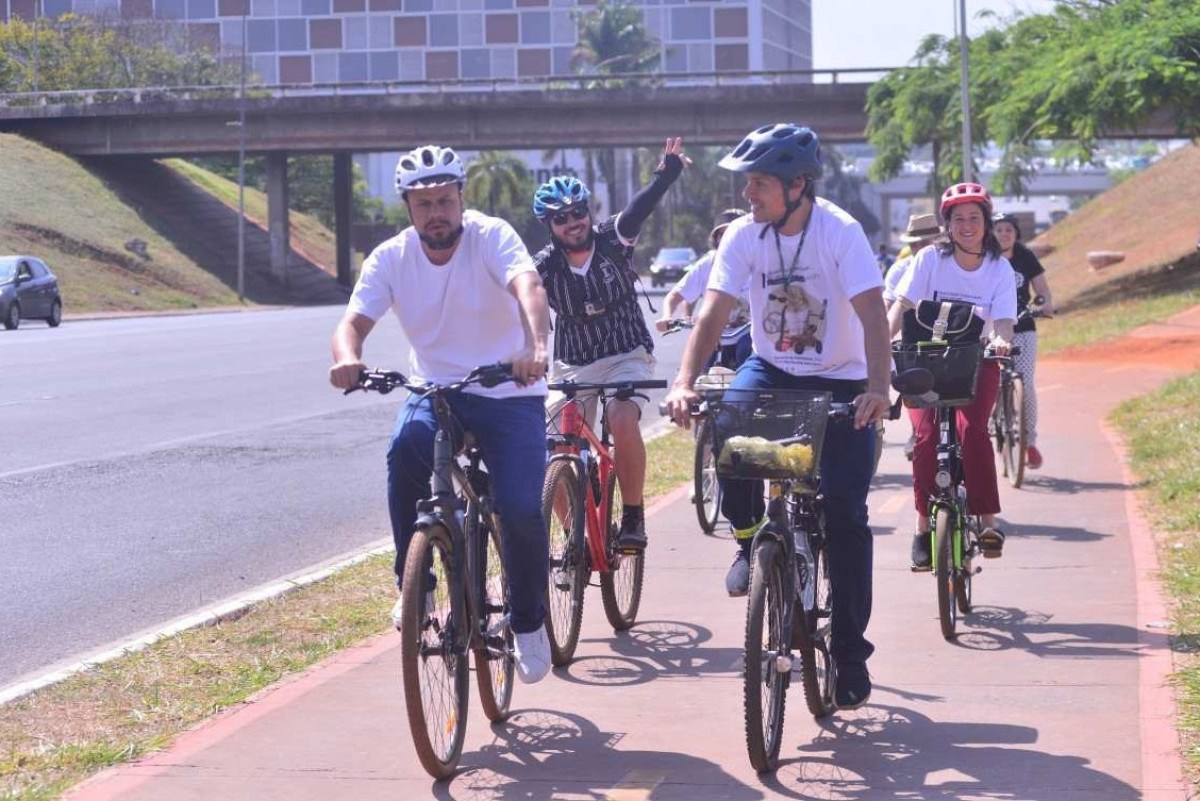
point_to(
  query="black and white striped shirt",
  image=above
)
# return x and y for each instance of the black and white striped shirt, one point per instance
(597, 312)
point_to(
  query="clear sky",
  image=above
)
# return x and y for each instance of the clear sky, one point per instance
(885, 33)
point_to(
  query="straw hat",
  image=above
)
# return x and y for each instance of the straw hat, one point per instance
(920, 228)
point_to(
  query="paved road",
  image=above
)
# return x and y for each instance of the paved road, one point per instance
(1046, 696)
(155, 466)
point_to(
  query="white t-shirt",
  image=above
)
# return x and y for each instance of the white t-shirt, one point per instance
(459, 315)
(991, 289)
(803, 322)
(892, 280)
(694, 283)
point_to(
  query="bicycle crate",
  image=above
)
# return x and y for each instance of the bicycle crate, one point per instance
(955, 369)
(769, 433)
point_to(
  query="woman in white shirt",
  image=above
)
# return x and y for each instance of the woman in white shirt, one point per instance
(968, 268)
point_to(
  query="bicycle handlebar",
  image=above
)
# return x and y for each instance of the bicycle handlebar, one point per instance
(384, 381)
(582, 386)
(676, 324)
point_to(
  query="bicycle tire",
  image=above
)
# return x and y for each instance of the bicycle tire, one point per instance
(621, 585)
(495, 657)
(568, 559)
(813, 635)
(706, 488)
(1017, 433)
(966, 574)
(764, 686)
(879, 437)
(433, 658)
(943, 550)
(996, 426)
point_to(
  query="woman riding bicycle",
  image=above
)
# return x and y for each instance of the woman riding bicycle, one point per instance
(1029, 274)
(968, 269)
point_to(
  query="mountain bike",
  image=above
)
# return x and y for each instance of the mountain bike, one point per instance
(454, 593)
(580, 500)
(706, 490)
(777, 436)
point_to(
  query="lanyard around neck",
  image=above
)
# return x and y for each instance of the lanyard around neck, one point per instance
(788, 272)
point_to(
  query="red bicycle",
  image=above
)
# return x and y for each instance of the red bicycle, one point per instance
(579, 500)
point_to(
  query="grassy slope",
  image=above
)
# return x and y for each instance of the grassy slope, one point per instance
(53, 208)
(1151, 218)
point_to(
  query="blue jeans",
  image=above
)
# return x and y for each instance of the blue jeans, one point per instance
(511, 435)
(847, 462)
(738, 353)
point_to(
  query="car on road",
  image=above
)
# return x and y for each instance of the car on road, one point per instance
(28, 291)
(670, 264)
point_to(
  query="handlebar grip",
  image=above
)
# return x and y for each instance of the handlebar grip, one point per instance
(657, 383)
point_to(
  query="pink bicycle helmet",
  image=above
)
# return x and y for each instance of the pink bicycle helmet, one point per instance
(966, 193)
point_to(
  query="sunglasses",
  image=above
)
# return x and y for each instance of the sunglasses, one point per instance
(573, 213)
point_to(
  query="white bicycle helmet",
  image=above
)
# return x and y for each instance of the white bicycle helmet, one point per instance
(429, 165)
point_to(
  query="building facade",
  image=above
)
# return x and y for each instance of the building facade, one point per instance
(341, 41)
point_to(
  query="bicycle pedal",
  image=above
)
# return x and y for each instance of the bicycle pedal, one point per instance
(630, 551)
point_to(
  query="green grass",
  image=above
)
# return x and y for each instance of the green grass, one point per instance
(60, 735)
(1162, 431)
(1114, 308)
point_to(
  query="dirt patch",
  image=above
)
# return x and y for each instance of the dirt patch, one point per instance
(1173, 343)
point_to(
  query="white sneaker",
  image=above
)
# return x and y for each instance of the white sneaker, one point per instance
(533, 655)
(398, 608)
(737, 580)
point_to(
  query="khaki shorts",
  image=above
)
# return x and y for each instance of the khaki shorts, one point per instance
(637, 365)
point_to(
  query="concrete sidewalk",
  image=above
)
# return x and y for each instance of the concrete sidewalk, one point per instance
(1054, 691)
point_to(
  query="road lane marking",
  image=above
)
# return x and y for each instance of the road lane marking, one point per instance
(894, 503)
(637, 785)
(1051, 388)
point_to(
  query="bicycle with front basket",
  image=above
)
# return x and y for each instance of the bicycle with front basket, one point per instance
(580, 501)
(454, 593)
(777, 436)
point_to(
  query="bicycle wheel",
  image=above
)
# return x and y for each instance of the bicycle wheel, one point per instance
(812, 632)
(562, 507)
(706, 488)
(943, 550)
(621, 584)
(997, 426)
(433, 656)
(964, 581)
(764, 678)
(495, 659)
(1015, 470)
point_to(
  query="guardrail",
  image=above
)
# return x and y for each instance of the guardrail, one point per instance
(588, 81)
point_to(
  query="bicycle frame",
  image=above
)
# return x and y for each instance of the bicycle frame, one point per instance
(592, 456)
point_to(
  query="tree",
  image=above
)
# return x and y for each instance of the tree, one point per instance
(612, 40)
(496, 178)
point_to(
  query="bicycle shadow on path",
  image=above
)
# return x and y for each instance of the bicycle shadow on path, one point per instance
(893, 752)
(547, 754)
(1002, 628)
(1039, 531)
(653, 649)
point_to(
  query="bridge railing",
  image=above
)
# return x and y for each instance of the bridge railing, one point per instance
(587, 81)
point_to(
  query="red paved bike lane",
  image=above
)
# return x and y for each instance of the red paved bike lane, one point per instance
(1054, 691)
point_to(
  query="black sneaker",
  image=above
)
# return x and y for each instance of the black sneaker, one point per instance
(632, 536)
(853, 688)
(922, 558)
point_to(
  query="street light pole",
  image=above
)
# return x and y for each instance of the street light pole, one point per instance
(966, 98)
(241, 240)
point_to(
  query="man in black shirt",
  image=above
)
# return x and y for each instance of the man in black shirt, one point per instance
(600, 333)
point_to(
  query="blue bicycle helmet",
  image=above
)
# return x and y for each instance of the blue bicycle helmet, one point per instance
(558, 193)
(785, 150)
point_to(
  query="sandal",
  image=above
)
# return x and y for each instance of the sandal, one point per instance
(991, 542)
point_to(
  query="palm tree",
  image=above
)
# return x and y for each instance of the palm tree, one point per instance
(495, 178)
(613, 40)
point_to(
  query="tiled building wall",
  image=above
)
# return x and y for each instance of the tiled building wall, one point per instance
(303, 41)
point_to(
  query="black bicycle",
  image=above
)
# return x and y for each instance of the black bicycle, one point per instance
(1007, 424)
(454, 595)
(777, 436)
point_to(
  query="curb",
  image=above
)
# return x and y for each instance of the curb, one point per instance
(1162, 760)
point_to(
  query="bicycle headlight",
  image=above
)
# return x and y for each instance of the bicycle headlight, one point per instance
(942, 479)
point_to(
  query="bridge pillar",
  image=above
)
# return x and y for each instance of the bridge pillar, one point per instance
(277, 215)
(343, 213)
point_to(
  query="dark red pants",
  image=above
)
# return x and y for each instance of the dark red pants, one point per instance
(979, 461)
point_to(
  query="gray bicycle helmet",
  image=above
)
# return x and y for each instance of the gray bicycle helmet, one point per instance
(785, 150)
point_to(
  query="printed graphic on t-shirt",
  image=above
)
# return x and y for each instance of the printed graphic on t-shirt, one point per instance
(795, 317)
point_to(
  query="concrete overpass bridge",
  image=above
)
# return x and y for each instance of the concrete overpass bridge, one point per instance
(342, 119)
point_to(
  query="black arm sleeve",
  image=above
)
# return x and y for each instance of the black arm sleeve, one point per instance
(629, 223)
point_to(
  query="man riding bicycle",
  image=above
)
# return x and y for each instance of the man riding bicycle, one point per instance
(681, 300)
(601, 335)
(797, 250)
(466, 293)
